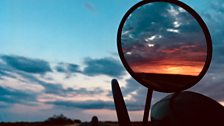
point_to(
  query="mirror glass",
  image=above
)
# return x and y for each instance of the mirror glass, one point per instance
(163, 46)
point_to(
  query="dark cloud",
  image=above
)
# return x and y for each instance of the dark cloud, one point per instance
(26, 64)
(214, 20)
(60, 68)
(12, 67)
(6, 70)
(9, 71)
(12, 96)
(60, 91)
(103, 66)
(98, 104)
(51, 88)
(68, 68)
(3, 73)
(73, 68)
(212, 83)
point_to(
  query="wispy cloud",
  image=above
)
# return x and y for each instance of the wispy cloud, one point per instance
(68, 68)
(12, 96)
(104, 66)
(26, 64)
(33, 75)
(85, 104)
(90, 6)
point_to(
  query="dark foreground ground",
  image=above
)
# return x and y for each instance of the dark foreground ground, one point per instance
(74, 124)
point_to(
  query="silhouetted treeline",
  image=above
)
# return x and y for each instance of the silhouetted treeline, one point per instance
(60, 119)
(55, 120)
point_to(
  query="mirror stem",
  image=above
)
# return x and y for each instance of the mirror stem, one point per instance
(147, 107)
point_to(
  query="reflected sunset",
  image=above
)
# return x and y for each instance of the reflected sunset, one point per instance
(170, 67)
(164, 46)
(181, 70)
(152, 44)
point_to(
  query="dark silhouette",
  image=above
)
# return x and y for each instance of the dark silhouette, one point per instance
(77, 121)
(147, 107)
(94, 121)
(167, 82)
(59, 119)
(187, 109)
(178, 109)
(122, 113)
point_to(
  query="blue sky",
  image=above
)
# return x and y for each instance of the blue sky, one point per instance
(29, 27)
(59, 56)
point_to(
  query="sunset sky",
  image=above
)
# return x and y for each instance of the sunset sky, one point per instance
(168, 40)
(59, 56)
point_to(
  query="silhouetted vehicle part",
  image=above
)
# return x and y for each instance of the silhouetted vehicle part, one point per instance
(122, 113)
(94, 121)
(187, 109)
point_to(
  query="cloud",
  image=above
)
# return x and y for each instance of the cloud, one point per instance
(12, 96)
(104, 66)
(3, 73)
(4, 104)
(85, 91)
(73, 68)
(85, 104)
(97, 104)
(89, 6)
(212, 83)
(131, 86)
(213, 18)
(135, 95)
(26, 64)
(68, 68)
(15, 74)
(57, 88)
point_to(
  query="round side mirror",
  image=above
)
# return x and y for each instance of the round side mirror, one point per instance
(164, 45)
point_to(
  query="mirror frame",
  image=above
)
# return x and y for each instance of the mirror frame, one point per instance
(198, 19)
